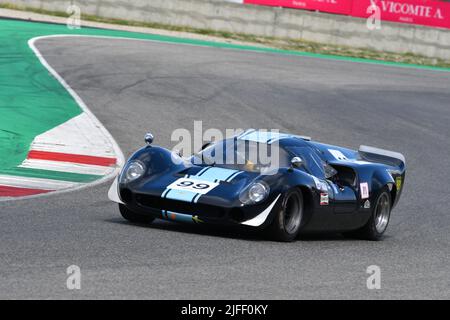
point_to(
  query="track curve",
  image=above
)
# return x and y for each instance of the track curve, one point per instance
(136, 86)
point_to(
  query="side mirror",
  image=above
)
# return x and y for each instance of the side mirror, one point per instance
(297, 162)
(148, 138)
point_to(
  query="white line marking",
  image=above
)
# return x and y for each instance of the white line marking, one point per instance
(36, 183)
(79, 135)
(66, 167)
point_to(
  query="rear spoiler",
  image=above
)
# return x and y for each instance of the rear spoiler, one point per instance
(391, 158)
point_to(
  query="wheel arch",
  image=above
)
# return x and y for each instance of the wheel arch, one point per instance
(382, 179)
(308, 202)
(393, 193)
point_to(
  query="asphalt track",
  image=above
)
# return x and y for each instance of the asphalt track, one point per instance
(136, 86)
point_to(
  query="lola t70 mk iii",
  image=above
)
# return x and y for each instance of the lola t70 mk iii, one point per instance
(314, 187)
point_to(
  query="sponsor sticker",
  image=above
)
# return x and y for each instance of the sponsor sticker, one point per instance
(338, 155)
(398, 183)
(196, 219)
(324, 199)
(193, 185)
(364, 190)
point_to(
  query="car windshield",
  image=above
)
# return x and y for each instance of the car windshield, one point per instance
(243, 155)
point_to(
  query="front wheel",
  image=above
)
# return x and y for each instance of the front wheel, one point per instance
(288, 217)
(133, 216)
(379, 220)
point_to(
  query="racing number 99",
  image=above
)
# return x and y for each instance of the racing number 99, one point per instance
(191, 184)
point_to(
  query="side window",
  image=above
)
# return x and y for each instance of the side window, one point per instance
(313, 163)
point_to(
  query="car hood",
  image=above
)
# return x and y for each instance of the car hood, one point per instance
(222, 186)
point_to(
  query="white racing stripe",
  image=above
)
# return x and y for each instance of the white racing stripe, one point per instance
(66, 167)
(36, 183)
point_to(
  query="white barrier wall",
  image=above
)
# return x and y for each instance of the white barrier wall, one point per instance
(265, 21)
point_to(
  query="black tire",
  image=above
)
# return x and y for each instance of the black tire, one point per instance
(134, 217)
(376, 226)
(288, 217)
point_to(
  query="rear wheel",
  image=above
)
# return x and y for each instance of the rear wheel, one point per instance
(288, 217)
(379, 220)
(133, 216)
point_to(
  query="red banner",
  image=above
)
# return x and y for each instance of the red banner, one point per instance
(424, 12)
(332, 6)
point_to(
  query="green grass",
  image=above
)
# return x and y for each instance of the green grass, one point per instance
(279, 43)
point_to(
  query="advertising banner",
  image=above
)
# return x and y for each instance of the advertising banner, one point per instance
(331, 6)
(423, 12)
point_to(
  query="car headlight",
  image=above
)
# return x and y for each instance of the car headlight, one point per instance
(134, 170)
(256, 193)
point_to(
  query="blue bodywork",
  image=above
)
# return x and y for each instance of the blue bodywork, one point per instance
(332, 203)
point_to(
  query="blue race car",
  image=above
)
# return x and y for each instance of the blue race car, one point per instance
(314, 187)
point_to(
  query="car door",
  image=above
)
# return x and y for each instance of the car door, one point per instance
(342, 180)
